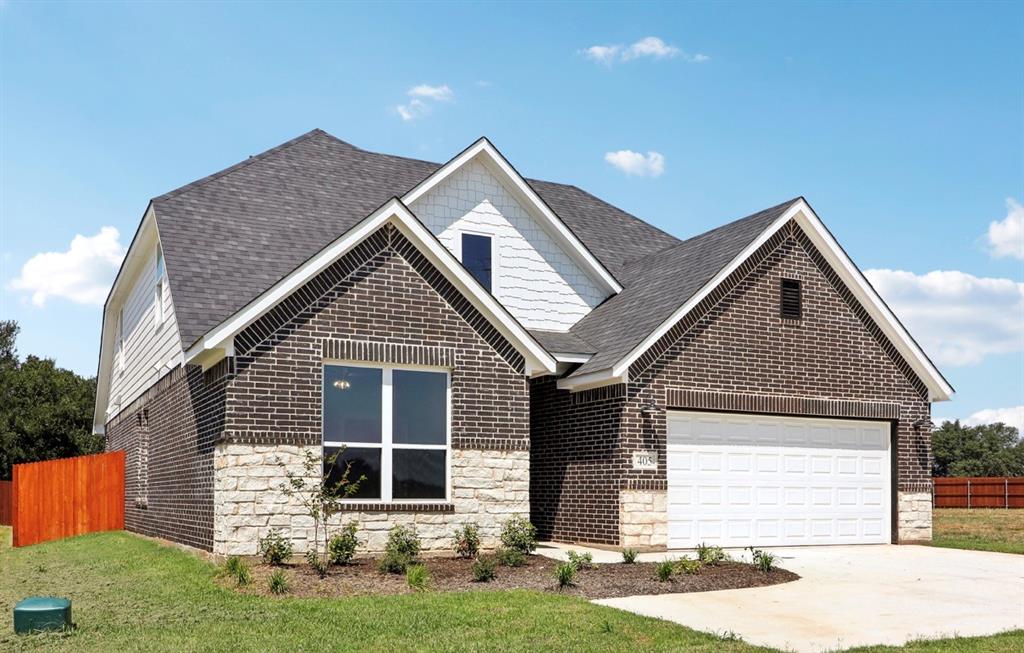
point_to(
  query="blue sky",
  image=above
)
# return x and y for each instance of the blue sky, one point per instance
(902, 124)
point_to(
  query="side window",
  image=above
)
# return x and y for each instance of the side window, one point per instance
(120, 340)
(158, 291)
(476, 256)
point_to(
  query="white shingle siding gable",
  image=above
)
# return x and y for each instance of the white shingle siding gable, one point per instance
(533, 277)
(150, 349)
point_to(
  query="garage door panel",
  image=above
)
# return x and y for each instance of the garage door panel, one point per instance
(741, 480)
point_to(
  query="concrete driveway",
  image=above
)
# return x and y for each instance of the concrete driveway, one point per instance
(858, 595)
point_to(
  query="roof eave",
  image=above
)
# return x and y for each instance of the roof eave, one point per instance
(218, 342)
(800, 211)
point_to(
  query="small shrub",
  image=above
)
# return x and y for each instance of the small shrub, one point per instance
(629, 556)
(418, 577)
(467, 541)
(401, 550)
(763, 560)
(316, 562)
(342, 547)
(403, 540)
(278, 582)
(581, 560)
(711, 555)
(519, 534)
(664, 570)
(274, 548)
(565, 574)
(483, 569)
(511, 557)
(394, 563)
(237, 568)
(688, 565)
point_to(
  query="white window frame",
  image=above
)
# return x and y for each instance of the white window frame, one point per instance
(158, 289)
(386, 445)
(494, 254)
(120, 341)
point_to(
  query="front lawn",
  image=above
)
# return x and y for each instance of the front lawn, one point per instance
(131, 594)
(983, 529)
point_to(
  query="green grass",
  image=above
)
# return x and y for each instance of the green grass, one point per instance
(132, 594)
(982, 529)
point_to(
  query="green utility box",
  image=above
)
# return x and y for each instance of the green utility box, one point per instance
(42, 613)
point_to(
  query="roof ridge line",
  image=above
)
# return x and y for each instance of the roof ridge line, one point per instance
(241, 164)
(787, 203)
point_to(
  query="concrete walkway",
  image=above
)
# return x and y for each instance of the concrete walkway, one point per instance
(853, 596)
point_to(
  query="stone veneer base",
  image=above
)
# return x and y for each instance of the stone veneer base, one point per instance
(643, 519)
(915, 517)
(488, 487)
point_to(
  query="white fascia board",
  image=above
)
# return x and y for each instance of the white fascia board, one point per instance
(801, 212)
(220, 339)
(591, 380)
(558, 229)
(623, 365)
(571, 358)
(938, 388)
(538, 359)
(145, 236)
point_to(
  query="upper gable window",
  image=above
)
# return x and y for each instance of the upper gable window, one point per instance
(790, 299)
(476, 256)
(158, 292)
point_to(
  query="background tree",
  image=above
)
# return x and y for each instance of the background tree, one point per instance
(986, 450)
(45, 411)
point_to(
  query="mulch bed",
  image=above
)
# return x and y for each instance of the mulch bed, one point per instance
(450, 574)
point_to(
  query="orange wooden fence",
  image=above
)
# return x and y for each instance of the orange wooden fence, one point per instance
(71, 496)
(5, 503)
(979, 492)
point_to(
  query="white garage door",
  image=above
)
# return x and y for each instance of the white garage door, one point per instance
(742, 480)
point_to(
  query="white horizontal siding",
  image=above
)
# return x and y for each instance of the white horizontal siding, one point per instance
(150, 349)
(533, 277)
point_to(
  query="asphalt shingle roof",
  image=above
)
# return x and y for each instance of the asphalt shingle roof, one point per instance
(229, 237)
(657, 284)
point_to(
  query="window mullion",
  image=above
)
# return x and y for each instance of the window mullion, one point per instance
(386, 435)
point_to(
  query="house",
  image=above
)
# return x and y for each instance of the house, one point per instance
(479, 345)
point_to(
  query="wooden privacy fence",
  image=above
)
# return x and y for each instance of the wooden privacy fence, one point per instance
(71, 496)
(979, 492)
(5, 503)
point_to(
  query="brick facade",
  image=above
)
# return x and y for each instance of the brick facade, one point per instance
(735, 353)
(168, 435)
(382, 302)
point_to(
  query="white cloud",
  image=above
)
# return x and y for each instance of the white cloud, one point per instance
(1012, 416)
(650, 47)
(1006, 236)
(605, 54)
(415, 109)
(440, 93)
(958, 318)
(82, 274)
(634, 163)
(422, 96)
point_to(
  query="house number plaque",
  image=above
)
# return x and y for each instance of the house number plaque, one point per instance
(645, 460)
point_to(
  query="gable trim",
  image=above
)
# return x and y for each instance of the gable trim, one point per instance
(498, 163)
(219, 341)
(802, 214)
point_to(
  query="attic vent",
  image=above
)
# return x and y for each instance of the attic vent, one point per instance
(789, 301)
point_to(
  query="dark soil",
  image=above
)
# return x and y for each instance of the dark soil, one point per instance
(448, 574)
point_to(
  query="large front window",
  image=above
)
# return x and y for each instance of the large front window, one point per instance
(391, 424)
